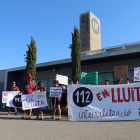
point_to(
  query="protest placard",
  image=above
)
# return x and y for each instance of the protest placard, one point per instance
(35, 100)
(4, 96)
(103, 102)
(88, 78)
(121, 71)
(55, 91)
(62, 79)
(14, 100)
(137, 74)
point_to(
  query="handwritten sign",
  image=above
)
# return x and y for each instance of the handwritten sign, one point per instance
(14, 100)
(4, 96)
(55, 91)
(62, 79)
(121, 71)
(137, 74)
(35, 100)
(88, 78)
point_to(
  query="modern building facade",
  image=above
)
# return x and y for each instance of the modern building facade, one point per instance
(90, 32)
(102, 61)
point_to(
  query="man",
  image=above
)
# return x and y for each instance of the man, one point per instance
(28, 88)
(126, 80)
(119, 81)
(107, 82)
(13, 88)
(70, 82)
(64, 100)
(56, 102)
(76, 80)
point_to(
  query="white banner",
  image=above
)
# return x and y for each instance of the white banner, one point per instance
(104, 102)
(35, 100)
(5, 96)
(137, 74)
(55, 91)
(62, 79)
(14, 100)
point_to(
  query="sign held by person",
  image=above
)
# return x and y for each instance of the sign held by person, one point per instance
(137, 74)
(88, 78)
(4, 96)
(62, 79)
(35, 100)
(103, 103)
(14, 100)
(55, 91)
(121, 71)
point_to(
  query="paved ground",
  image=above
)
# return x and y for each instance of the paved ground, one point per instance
(14, 128)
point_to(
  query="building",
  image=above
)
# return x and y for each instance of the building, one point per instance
(102, 60)
(90, 32)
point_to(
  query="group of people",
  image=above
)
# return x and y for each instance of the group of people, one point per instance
(30, 87)
(119, 81)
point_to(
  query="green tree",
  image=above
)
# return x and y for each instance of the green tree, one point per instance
(31, 59)
(76, 53)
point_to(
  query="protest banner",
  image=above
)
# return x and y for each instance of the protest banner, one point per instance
(55, 91)
(14, 100)
(62, 79)
(35, 100)
(88, 78)
(121, 71)
(103, 102)
(4, 96)
(137, 74)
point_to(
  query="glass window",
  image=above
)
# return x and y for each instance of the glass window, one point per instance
(110, 77)
(100, 79)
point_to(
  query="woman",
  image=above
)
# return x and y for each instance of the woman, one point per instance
(40, 87)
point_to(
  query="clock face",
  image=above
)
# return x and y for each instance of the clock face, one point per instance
(95, 26)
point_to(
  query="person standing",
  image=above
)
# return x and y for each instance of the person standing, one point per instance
(70, 82)
(76, 81)
(40, 87)
(107, 82)
(64, 100)
(13, 88)
(56, 102)
(28, 88)
(119, 81)
(126, 80)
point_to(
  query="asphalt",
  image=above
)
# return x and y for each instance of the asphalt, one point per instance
(14, 128)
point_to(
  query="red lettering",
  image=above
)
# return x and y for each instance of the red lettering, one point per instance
(98, 96)
(5, 100)
(128, 95)
(132, 92)
(138, 96)
(38, 102)
(25, 106)
(118, 91)
(42, 103)
(32, 104)
(105, 93)
(113, 99)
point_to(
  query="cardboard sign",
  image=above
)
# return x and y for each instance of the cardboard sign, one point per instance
(62, 79)
(14, 100)
(103, 102)
(55, 91)
(137, 74)
(121, 71)
(35, 100)
(4, 96)
(88, 78)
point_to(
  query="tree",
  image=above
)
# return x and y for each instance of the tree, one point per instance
(76, 53)
(31, 58)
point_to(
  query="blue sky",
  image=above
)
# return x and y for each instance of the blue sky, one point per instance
(50, 22)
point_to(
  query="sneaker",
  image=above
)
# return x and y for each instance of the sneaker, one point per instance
(8, 114)
(15, 113)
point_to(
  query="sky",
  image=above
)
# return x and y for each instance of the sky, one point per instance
(51, 22)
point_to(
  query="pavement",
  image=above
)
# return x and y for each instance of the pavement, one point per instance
(14, 128)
